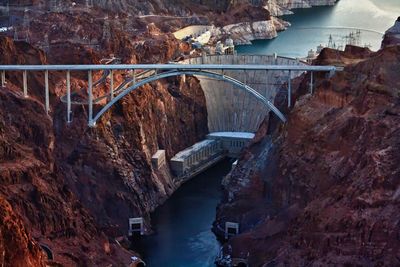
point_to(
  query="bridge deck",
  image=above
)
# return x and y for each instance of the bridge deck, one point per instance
(165, 67)
(160, 71)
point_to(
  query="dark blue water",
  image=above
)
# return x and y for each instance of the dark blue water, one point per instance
(183, 224)
(311, 27)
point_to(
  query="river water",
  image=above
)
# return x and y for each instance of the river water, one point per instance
(311, 27)
(183, 235)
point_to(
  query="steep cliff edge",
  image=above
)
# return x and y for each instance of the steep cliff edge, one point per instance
(325, 190)
(16, 244)
(283, 7)
(76, 187)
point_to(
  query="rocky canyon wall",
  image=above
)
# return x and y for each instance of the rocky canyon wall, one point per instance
(324, 190)
(75, 187)
(283, 7)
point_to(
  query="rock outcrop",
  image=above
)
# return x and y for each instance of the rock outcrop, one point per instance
(245, 32)
(243, 20)
(75, 187)
(283, 7)
(392, 36)
(17, 247)
(324, 191)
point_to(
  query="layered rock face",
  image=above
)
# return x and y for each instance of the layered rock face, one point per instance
(75, 187)
(244, 20)
(283, 7)
(176, 7)
(245, 32)
(16, 244)
(325, 190)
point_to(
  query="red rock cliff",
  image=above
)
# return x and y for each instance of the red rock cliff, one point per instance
(74, 188)
(325, 190)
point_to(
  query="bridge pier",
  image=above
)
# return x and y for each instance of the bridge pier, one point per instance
(290, 89)
(90, 93)
(25, 82)
(69, 97)
(312, 83)
(133, 77)
(47, 93)
(3, 78)
(111, 84)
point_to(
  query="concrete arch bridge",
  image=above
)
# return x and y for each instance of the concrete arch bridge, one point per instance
(239, 91)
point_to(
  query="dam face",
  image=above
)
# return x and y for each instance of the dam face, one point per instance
(231, 109)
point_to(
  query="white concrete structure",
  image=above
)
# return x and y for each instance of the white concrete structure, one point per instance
(235, 110)
(158, 159)
(136, 225)
(204, 154)
(232, 142)
(195, 31)
(198, 155)
(231, 229)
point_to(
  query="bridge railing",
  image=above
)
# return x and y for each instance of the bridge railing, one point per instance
(143, 67)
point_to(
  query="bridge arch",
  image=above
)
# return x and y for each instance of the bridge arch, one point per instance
(177, 72)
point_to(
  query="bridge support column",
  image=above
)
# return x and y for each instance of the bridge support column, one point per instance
(3, 78)
(69, 97)
(25, 83)
(111, 84)
(90, 94)
(133, 77)
(203, 58)
(312, 83)
(47, 94)
(290, 89)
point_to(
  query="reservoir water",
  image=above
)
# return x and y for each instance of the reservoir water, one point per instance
(183, 224)
(312, 26)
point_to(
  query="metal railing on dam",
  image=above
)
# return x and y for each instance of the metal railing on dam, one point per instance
(220, 72)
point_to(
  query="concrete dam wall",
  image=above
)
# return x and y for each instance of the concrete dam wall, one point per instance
(231, 109)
